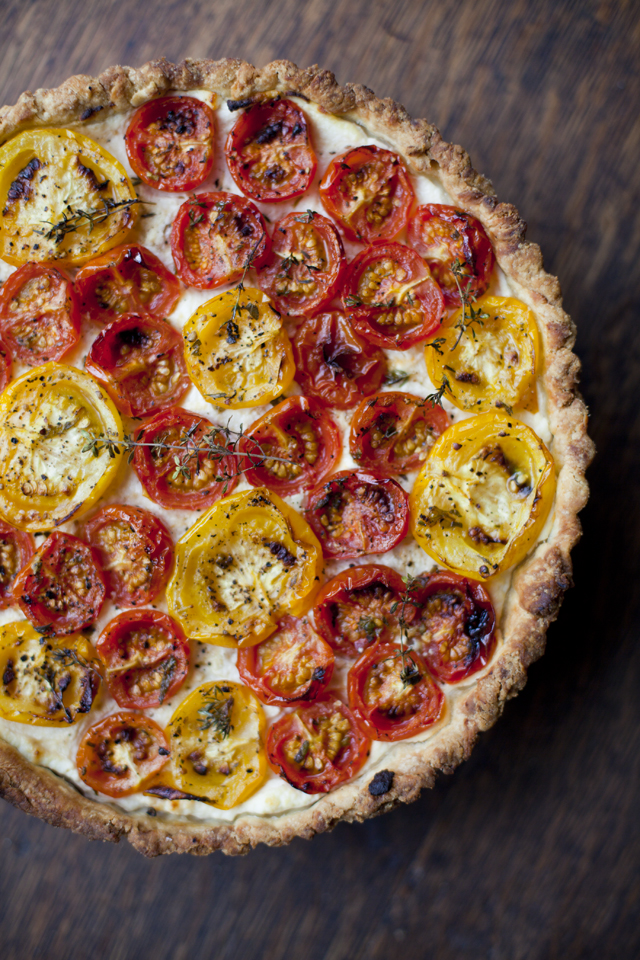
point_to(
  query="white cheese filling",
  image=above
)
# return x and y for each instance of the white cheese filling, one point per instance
(55, 748)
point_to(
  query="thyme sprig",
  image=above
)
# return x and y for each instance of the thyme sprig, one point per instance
(217, 712)
(435, 399)
(409, 671)
(469, 314)
(72, 219)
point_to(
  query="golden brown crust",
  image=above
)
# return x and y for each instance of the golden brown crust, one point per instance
(538, 584)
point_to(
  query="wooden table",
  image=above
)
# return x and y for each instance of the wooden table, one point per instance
(531, 849)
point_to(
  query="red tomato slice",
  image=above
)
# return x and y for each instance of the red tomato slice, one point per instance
(16, 549)
(393, 697)
(199, 480)
(269, 152)
(334, 363)
(215, 236)
(295, 663)
(170, 143)
(393, 432)
(453, 627)
(397, 302)
(62, 589)
(6, 366)
(444, 235)
(356, 513)
(298, 431)
(146, 656)
(39, 315)
(128, 279)
(361, 606)
(120, 754)
(135, 550)
(306, 266)
(317, 746)
(368, 191)
(141, 360)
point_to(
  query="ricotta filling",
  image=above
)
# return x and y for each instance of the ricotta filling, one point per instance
(57, 748)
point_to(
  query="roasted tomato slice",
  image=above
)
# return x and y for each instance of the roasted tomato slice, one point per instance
(216, 744)
(392, 694)
(63, 197)
(127, 279)
(238, 353)
(45, 682)
(215, 236)
(135, 550)
(62, 588)
(39, 316)
(317, 746)
(488, 353)
(307, 264)
(335, 363)
(199, 477)
(170, 143)
(295, 663)
(49, 468)
(452, 624)
(355, 513)
(393, 432)
(142, 360)
(361, 606)
(120, 754)
(269, 152)
(146, 657)
(16, 549)
(393, 300)
(292, 447)
(456, 247)
(368, 191)
(244, 565)
(483, 495)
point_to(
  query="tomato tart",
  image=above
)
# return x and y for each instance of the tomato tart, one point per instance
(291, 454)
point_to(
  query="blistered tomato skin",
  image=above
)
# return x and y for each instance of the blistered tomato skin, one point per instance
(392, 695)
(368, 191)
(293, 664)
(217, 236)
(356, 513)
(49, 420)
(216, 739)
(237, 351)
(483, 495)
(334, 363)
(127, 279)
(317, 746)
(118, 755)
(16, 549)
(39, 314)
(141, 360)
(62, 589)
(170, 143)
(246, 563)
(292, 447)
(269, 152)
(64, 198)
(456, 247)
(44, 681)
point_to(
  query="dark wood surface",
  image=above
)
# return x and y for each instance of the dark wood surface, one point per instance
(531, 850)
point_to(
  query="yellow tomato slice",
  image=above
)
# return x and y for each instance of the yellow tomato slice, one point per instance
(238, 354)
(63, 198)
(483, 495)
(244, 564)
(216, 740)
(45, 682)
(491, 361)
(47, 474)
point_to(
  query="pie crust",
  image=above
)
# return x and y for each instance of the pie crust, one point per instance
(538, 584)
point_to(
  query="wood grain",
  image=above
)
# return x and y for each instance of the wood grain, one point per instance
(531, 850)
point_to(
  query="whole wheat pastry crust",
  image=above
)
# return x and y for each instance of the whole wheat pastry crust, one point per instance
(538, 584)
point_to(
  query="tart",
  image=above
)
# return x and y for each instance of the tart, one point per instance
(292, 455)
